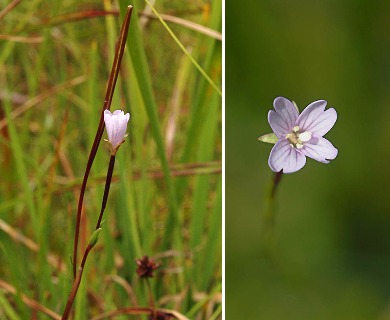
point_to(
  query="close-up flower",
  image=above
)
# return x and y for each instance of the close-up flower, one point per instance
(116, 126)
(300, 135)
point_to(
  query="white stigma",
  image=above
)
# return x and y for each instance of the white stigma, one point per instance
(297, 139)
(305, 136)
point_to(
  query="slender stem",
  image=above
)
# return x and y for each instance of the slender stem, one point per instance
(151, 298)
(8, 8)
(276, 181)
(269, 215)
(120, 47)
(77, 280)
(106, 189)
(76, 285)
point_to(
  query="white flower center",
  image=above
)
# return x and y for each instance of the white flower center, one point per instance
(297, 138)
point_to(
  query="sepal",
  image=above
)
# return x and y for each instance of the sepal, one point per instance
(269, 138)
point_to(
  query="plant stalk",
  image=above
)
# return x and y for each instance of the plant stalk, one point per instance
(268, 220)
(77, 280)
(120, 47)
(106, 190)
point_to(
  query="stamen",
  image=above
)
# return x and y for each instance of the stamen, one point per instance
(297, 139)
(292, 137)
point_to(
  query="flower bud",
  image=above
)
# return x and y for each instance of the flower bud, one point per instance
(116, 126)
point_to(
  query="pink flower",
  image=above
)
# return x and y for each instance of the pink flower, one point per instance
(300, 135)
(116, 126)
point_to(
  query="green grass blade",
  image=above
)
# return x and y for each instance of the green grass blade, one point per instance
(126, 214)
(17, 150)
(217, 313)
(212, 255)
(201, 96)
(182, 47)
(202, 183)
(137, 53)
(6, 308)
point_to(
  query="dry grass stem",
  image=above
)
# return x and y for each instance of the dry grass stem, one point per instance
(30, 302)
(186, 23)
(18, 237)
(20, 39)
(43, 96)
(8, 8)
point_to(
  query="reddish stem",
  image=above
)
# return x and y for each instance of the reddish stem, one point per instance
(106, 190)
(120, 47)
(76, 285)
(77, 280)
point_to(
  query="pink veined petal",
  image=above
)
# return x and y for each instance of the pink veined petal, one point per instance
(310, 114)
(278, 124)
(320, 149)
(286, 110)
(114, 131)
(323, 123)
(286, 158)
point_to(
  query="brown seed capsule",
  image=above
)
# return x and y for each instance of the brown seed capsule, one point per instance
(146, 266)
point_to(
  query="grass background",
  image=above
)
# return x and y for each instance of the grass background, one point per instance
(332, 254)
(52, 89)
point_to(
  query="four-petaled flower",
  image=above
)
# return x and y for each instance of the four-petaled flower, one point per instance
(116, 125)
(300, 135)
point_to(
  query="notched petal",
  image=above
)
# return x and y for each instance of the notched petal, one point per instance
(118, 113)
(284, 157)
(316, 119)
(310, 114)
(278, 125)
(324, 122)
(320, 149)
(286, 109)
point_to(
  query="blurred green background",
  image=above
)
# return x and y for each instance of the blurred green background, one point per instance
(332, 254)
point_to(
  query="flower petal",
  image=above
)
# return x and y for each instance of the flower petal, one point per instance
(107, 116)
(324, 122)
(284, 157)
(286, 110)
(109, 123)
(118, 113)
(314, 119)
(278, 124)
(320, 149)
(116, 125)
(123, 119)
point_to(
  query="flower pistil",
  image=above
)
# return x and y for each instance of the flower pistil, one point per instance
(297, 138)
